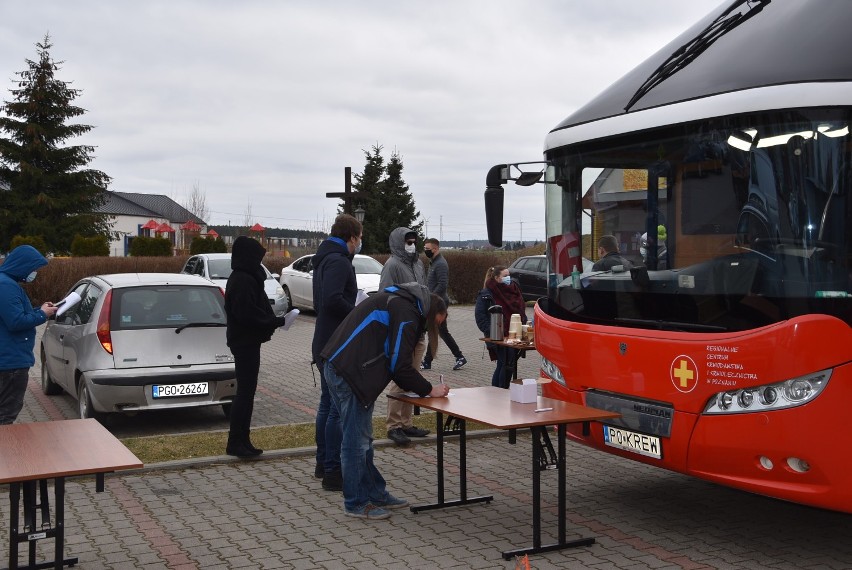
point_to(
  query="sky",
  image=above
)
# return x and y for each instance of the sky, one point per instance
(262, 104)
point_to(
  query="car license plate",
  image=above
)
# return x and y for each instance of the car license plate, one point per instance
(640, 443)
(171, 390)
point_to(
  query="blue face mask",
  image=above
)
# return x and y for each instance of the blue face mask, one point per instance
(31, 277)
(358, 247)
(507, 280)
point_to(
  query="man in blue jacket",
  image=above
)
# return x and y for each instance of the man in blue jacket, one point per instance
(18, 322)
(335, 291)
(371, 347)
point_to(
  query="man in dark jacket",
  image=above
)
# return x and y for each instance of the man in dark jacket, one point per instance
(609, 255)
(438, 280)
(18, 322)
(373, 346)
(335, 292)
(251, 322)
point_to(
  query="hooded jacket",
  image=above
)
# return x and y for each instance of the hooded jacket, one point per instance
(18, 318)
(335, 290)
(375, 343)
(401, 266)
(250, 317)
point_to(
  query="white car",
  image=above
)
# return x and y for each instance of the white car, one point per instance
(216, 267)
(297, 279)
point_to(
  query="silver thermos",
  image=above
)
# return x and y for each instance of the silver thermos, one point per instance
(496, 332)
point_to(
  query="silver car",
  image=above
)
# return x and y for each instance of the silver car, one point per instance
(217, 268)
(140, 341)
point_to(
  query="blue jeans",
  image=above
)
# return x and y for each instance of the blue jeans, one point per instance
(362, 482)
(328, 432)
(13, 386)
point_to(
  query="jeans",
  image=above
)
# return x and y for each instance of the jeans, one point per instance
(13, 386)
(362, 482)
(448, 339)
(506, 358)
(247, 367)
(328, 431)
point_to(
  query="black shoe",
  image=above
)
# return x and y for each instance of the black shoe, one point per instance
(255, 450)
(414, 431)
(460, 361)
(397, 435)
(333, 480)
(425, 365)
(319, 471)
(241, 450)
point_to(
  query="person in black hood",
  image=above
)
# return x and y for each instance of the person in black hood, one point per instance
(335, 291)
(251, 322)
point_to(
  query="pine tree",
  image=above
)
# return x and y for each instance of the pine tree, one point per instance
(50, 192)
(387, 200)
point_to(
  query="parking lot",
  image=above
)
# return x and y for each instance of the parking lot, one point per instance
(223, 513)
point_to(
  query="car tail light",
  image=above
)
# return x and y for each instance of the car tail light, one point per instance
(103, 323)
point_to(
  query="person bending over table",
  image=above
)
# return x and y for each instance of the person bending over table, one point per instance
(372, 346)
(499, 289)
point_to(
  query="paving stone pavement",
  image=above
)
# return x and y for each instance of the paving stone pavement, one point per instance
(221, 513)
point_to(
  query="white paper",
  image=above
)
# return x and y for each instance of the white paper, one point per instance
(360, 297)
(289, 318)
(66, 303)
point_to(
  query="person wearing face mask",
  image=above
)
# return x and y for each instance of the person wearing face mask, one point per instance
(18, 322)
(403, 266)
(499, 289)
(335, 290)
(437, 280)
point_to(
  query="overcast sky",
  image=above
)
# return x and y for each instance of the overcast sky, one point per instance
(263, 104)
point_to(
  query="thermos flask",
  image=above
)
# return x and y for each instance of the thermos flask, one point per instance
(496, 332)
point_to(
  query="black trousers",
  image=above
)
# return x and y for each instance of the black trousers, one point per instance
(247, 364)
(448, 339)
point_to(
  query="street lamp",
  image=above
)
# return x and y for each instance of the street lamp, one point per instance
(359, 214)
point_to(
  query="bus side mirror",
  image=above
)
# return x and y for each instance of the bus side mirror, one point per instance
(494, 204)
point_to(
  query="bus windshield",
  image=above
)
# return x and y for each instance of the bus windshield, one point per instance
(721, 225)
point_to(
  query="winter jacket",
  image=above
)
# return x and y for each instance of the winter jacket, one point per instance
(335, 290)
(401, 267)
(375, 343)
(250, 317)
(484, 301)
(439, 278)
(18, 318)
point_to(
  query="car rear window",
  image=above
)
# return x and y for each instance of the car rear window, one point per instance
(166, 306)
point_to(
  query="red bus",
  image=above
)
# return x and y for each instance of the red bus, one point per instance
(722, 166)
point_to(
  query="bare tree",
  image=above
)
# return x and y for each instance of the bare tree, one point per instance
(196, 202)
(247, 216)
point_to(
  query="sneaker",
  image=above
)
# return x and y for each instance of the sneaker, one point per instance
(414, 431)
(392, 503)
(397, 435)
(425, 365)
(333, 481)
(460, 361)
(369, 511)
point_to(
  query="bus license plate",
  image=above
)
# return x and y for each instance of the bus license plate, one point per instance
(640, 443)
(172, 390)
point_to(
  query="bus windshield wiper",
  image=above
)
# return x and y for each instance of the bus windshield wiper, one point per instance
(187, 325)
(671, 325)
(685, 54)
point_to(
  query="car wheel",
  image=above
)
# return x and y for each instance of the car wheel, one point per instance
(226, 409)
(84, 402)
(288, 300)
(48, 386)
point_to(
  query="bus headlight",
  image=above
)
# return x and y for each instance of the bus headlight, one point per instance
(552, 371)
(777, 396)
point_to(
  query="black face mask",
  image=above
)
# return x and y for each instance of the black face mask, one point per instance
(429, 253)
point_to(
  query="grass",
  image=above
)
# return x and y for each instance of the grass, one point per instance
(160, 448)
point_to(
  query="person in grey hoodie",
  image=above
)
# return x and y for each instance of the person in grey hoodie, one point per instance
(403, 266)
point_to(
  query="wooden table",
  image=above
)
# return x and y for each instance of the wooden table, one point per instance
(490, 405)
(32, 453)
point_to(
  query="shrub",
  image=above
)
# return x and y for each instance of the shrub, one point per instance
(94, 246)
(207, 245)
(150, 247)
(35, 241)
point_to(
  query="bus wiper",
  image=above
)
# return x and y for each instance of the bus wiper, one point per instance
(671, 325)
(685, 54)
(187, 325)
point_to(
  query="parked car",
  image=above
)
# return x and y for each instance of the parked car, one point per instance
(297, 279)
(216, 267)
(140, 341)
(530, 273)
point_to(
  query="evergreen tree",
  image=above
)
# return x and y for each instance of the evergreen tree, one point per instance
(387, 200)
(50, 192)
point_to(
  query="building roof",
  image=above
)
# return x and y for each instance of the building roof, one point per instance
(147, 205)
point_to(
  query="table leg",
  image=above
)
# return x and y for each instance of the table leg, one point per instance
(14, 520)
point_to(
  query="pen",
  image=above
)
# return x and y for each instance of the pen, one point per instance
(544, 410)
(441, 378)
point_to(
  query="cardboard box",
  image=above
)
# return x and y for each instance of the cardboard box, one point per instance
(524, 391)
